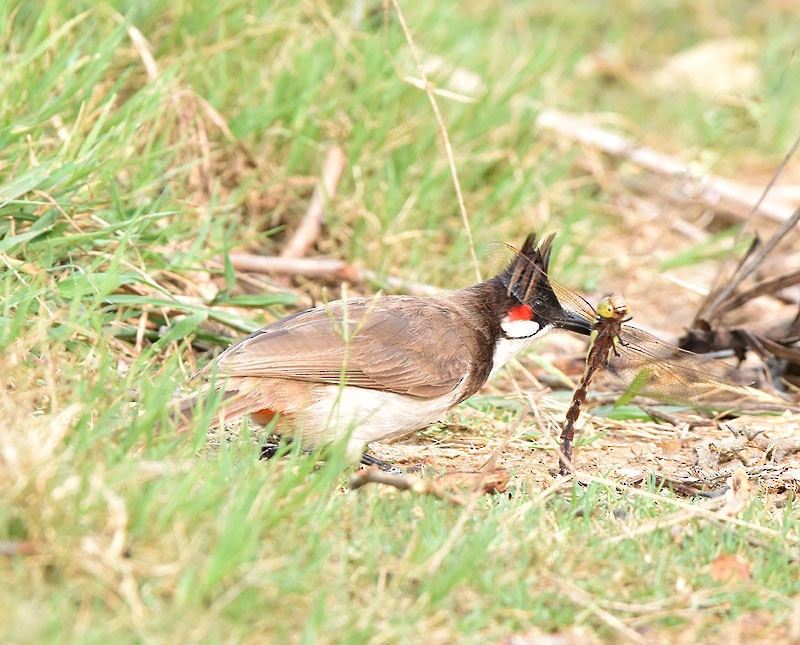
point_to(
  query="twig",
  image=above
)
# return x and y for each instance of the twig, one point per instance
(403, 286)
(373, 475)
(715, 191)
(712, 307)
(688, 511)
(326, 268)
(787, 445)
(676, 419)
(311, 224)
(581, 597)
(443, 131)
(767, 287)
(674, 485)
(779, 349)
(483, 482)
(770, 185)
(306, 267)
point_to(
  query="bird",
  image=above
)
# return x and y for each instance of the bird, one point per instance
(376, 369)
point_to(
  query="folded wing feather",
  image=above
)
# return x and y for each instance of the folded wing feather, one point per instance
(384, 348)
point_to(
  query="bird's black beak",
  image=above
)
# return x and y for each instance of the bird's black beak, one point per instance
(573, 322)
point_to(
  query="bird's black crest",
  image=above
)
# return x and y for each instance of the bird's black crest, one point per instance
(526, 274)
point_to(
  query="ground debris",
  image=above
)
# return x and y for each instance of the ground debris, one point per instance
(449, 487)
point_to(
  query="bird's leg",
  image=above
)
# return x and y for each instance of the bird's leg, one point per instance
(369, 460)
(270, 448)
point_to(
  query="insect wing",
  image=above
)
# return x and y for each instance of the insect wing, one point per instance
(648, 366)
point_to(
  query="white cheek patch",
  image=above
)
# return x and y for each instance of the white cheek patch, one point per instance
(520, 328)
(507, 348)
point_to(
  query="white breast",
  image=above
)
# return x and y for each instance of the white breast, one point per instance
(368, 415)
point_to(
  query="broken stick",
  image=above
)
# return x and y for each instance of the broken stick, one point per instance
(710, 189)
(311, 225)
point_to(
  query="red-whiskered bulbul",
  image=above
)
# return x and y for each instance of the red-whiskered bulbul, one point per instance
(374, 369)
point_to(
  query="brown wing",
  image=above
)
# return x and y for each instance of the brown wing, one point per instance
(398, 344)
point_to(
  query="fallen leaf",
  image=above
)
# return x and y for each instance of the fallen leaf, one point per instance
(730, 568)
(23, 547)
(711, 68)
(495, 481)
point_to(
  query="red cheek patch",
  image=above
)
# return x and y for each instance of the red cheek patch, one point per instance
(521, 312)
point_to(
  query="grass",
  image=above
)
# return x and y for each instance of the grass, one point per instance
(122, 182)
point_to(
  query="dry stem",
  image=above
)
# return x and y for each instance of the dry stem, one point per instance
(311, 224)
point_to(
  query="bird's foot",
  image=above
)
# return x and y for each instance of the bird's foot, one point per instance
(272, 445)
(369, 460)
